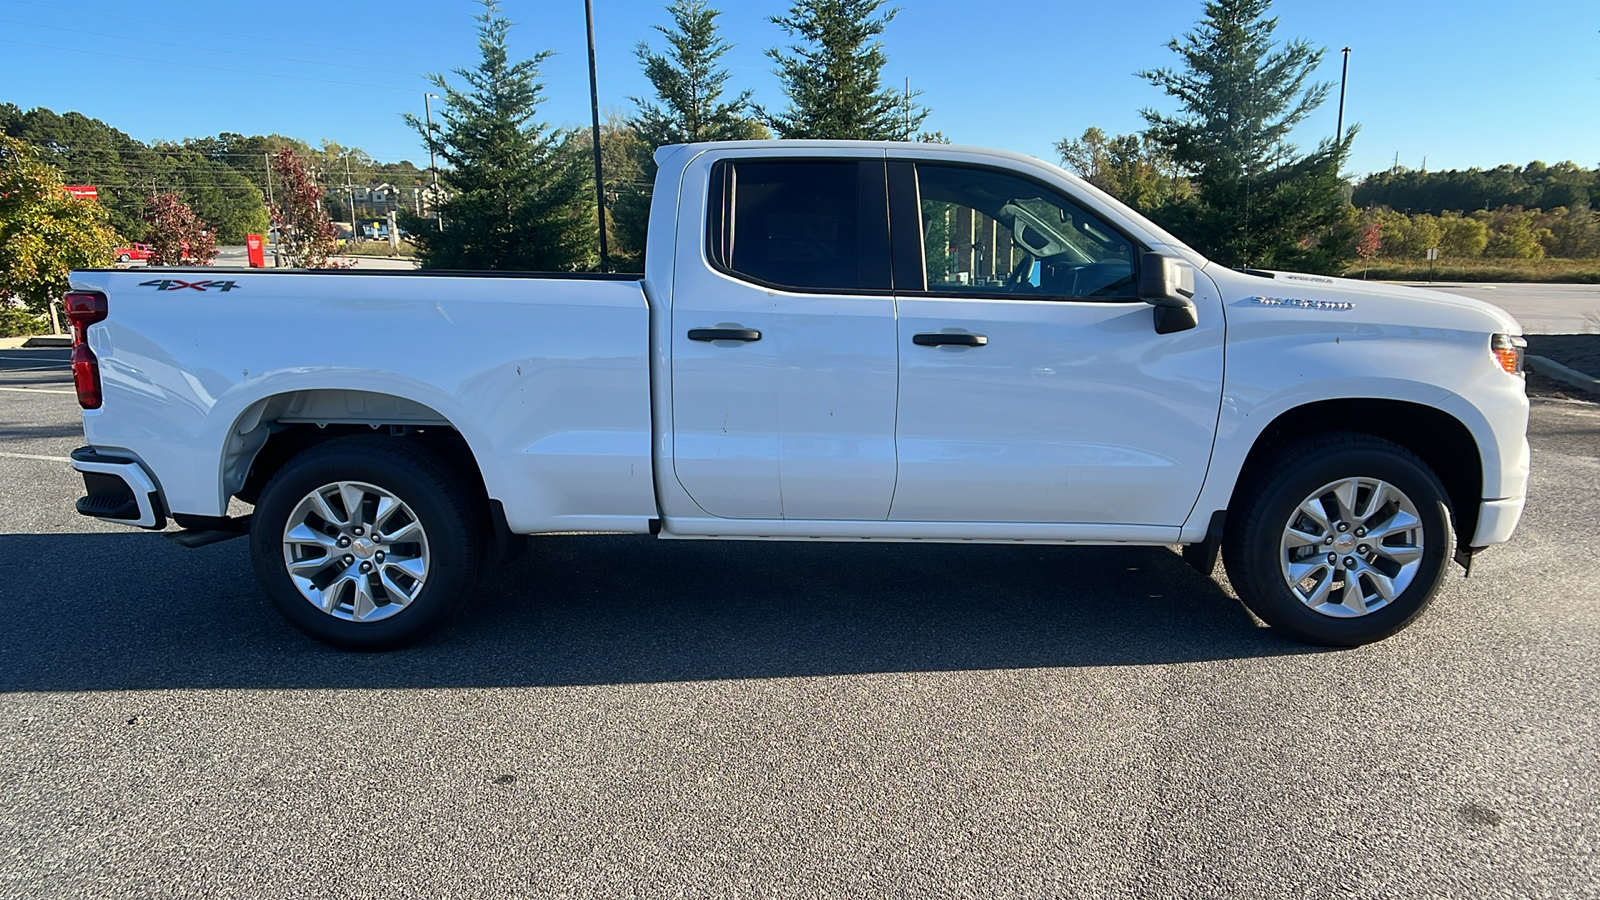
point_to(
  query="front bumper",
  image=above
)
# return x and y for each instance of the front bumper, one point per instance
(119, 490)
(1496, 520)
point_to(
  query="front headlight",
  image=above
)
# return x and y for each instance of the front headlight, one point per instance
(1509, 350)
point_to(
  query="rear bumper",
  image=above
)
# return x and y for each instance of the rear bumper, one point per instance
(118, 490)
(1496, 520)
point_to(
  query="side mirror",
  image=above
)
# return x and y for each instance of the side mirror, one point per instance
(1167, 283)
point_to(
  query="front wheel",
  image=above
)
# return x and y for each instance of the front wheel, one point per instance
(366, 543)
(1344, 543)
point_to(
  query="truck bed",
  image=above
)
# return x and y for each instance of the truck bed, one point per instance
(544, 375)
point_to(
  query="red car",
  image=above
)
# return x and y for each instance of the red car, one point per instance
(132, 251)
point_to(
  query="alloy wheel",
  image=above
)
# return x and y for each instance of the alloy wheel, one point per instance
(1352, 547)
(356, 551)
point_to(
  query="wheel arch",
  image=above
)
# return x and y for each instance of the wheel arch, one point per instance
(273, 429)
(1434, 435)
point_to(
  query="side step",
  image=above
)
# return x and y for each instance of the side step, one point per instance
(202, 531)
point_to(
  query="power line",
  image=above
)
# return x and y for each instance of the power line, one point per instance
(128, 37)
(170, 62)
(169, 25)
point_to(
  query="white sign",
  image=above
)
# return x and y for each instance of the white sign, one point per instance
(1433, 253)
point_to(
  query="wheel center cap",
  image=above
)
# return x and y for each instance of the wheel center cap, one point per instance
(1344, 542)
(363, 548)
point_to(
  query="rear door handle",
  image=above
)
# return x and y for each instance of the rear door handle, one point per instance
(724, 334)
(949, 338)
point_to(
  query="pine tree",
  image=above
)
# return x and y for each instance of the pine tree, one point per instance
(834, 76)
(689, 84)
(1258, 201)
(688, 107)
(518, 194)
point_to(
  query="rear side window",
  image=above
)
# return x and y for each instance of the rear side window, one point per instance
(809, 225)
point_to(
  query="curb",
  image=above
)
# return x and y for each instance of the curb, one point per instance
(35, 342)
(1552, 369)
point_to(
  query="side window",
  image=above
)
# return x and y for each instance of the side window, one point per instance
(987, 232)
(807, 225)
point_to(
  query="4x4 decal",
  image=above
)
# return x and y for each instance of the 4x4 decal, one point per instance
(174, 284)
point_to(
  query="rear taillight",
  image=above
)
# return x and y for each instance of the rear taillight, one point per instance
(85, 309)
(86, 376)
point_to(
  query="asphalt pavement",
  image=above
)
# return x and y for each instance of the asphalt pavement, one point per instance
(618, 716)
(1539, 308)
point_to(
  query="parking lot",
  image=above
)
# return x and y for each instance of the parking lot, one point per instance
(618, 716)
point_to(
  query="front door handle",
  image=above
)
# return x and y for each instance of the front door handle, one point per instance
(949, 339)
(724, 334)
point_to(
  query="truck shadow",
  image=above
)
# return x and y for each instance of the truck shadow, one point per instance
(133, 611)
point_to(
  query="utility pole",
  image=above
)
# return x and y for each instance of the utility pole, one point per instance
(594, 109)
(427, 112)
(350, 186)
(908, 107)
(277, 259)
(1344, 73)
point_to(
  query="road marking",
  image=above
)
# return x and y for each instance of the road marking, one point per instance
(35, 390)
(6, 455)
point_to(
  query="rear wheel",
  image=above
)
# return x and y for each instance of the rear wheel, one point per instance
(1345, 542)
(366, 543)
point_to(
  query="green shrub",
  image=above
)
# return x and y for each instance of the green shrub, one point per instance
(1555, 271)
(17, 322)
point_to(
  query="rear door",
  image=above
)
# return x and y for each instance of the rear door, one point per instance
(1033, 386)
(783, 343)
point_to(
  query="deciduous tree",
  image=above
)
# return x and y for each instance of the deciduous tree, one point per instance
(45, 232)
(89, 151)
(1461, 237)
(1131, 167)
(1513, 236)
(177, 237)
(833, 76)
(306, 236)
(1369, 240)
(518, 193)
(1577, 234)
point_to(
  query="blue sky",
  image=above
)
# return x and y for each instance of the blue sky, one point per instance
(1465, 83)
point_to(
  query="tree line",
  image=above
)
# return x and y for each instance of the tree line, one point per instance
(1533, 186)
(222, 179)
(1509, 232)
(1216, 167)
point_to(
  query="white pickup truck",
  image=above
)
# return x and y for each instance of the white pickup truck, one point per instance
(831, 341)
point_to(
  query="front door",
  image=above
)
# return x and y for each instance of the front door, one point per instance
(783, 344)
(1033, 386)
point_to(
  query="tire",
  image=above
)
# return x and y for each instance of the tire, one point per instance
(397, 588)
(1400, 546)
(122, 258)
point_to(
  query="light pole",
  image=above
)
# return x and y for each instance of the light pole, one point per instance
(594, 109)
(1343, 73)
